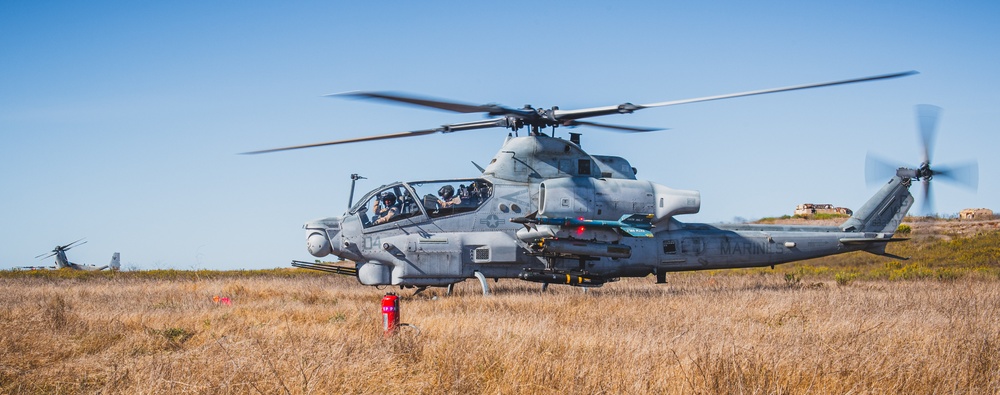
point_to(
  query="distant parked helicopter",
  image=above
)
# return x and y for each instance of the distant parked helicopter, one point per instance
(545, 211)
(62, 263)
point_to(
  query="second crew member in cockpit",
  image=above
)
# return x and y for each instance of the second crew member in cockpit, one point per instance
(385, 208)
(447, 198)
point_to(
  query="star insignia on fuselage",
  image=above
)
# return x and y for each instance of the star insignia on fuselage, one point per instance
(492, 221)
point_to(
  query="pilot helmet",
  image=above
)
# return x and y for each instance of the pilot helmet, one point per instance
(446, 192)
(388, 198)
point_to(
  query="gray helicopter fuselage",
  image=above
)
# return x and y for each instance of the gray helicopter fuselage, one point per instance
(543, 205)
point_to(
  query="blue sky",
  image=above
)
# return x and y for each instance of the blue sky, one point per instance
(121, 121)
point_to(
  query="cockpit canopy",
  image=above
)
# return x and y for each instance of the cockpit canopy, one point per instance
(434, 199)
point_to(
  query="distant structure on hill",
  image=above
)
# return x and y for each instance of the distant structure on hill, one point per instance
(976, 213)
(807, 209)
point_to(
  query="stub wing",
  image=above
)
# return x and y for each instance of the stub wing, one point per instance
(637, 225)
(635, 232)
(869, 240)
(630, 225)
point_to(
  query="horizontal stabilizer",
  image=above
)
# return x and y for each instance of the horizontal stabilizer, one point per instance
(886, 254)
(879, 249)
(876, 245)
(869, 240)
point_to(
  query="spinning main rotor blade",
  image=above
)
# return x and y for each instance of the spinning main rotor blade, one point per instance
(61, 248)
(785, 89)
(70, 245)
(541, 118)
(629, 108)
(424, 102)
(564, 115)
(345, 141)
(456, 127)
(618, 128)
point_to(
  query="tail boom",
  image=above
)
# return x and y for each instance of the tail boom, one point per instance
(883, 212)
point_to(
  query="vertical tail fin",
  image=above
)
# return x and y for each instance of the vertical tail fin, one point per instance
(883, 212)
(116, 263)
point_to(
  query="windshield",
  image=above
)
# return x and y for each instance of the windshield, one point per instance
(392, 203)
(449, 197)
(385, 205)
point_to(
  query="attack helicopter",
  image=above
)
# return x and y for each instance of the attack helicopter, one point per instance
(544, 210)
(63, 263)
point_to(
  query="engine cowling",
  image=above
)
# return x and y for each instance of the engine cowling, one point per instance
(609, 199)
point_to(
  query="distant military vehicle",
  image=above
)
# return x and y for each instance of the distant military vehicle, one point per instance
(63, 263)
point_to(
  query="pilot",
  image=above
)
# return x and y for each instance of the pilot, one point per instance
(447, 197)
(385, 208)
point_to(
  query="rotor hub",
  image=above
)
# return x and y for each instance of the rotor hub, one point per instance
(924, 172)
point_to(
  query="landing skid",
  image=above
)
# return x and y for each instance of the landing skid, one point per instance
(482, 280)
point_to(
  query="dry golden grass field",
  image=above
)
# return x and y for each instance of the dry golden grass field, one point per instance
(820, 327)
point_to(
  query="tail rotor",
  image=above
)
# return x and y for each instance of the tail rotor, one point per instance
(964, 175)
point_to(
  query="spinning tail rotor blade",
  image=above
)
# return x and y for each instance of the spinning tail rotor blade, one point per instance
(965, 175)
(878, 170)
(927, 207)
(927, 120)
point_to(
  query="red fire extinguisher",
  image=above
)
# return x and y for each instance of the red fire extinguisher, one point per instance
(390, 313)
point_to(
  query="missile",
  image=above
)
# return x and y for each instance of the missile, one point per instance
(632, 225)
(562, 278)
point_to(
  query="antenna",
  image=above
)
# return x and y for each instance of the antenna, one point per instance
(354, 178)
